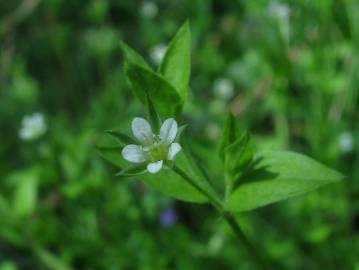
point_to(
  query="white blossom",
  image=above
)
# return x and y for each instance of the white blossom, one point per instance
(346, 142)
(223, 88)
(157, 53)
(149, 9)
(32, 126)
(154, 149)
(279, 10)
(281, 13)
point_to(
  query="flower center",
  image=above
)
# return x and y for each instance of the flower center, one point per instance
(157, 151)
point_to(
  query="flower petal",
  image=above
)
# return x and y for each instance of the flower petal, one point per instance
(142, 130)
(173, 150)
(169, 130)
(133, 153)
(155, 166)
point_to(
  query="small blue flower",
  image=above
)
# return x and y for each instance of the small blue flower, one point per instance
(168, 217)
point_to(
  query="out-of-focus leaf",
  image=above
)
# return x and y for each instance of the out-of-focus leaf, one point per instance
(8, 265)
(25, 197)
(176, 64)
(279, 175)
(49, 260)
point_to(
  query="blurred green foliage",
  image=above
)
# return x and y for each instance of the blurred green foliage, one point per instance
(287, 69)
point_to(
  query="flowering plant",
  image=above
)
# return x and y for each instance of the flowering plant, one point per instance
(250, 179)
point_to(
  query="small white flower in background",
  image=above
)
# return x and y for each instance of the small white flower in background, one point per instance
(154, 149)
(215, 244)
(223, 88)
(157, 53)
(279, 10)
(149, 9)
(281, 13)
(32, 126)
(346, 142)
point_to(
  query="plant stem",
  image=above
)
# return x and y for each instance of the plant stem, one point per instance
(243, 238)
(228, 217)
(229, 186)
(214, 200)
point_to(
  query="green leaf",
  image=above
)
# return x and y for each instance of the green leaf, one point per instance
(152, 115)
(113, 155)
(176, 64)
(25, 197)
(228, 135)
(169, 183)
(238, 155)
(279, 175)
(145, 82)
(121, 137)
(132, 170)
(8, 265)
(132, 56)
(49, 260)
(180, 131)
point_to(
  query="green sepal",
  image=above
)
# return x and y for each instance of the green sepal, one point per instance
(133, 170)
(121, 137)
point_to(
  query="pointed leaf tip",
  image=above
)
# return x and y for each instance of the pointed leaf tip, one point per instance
(279, 175)
(121, 137)
(176, 64)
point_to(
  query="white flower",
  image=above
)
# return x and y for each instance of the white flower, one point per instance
(346, 141)
(149, 9)
(223, 88)
(154, 149)
(279, 10)
(32, 126)
(157, 53)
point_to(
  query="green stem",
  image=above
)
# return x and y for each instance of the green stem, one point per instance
(229, 186)
(243, 238)
(215, 201)
(227, 217)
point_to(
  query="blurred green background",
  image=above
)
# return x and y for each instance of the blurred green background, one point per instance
(287, 69)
